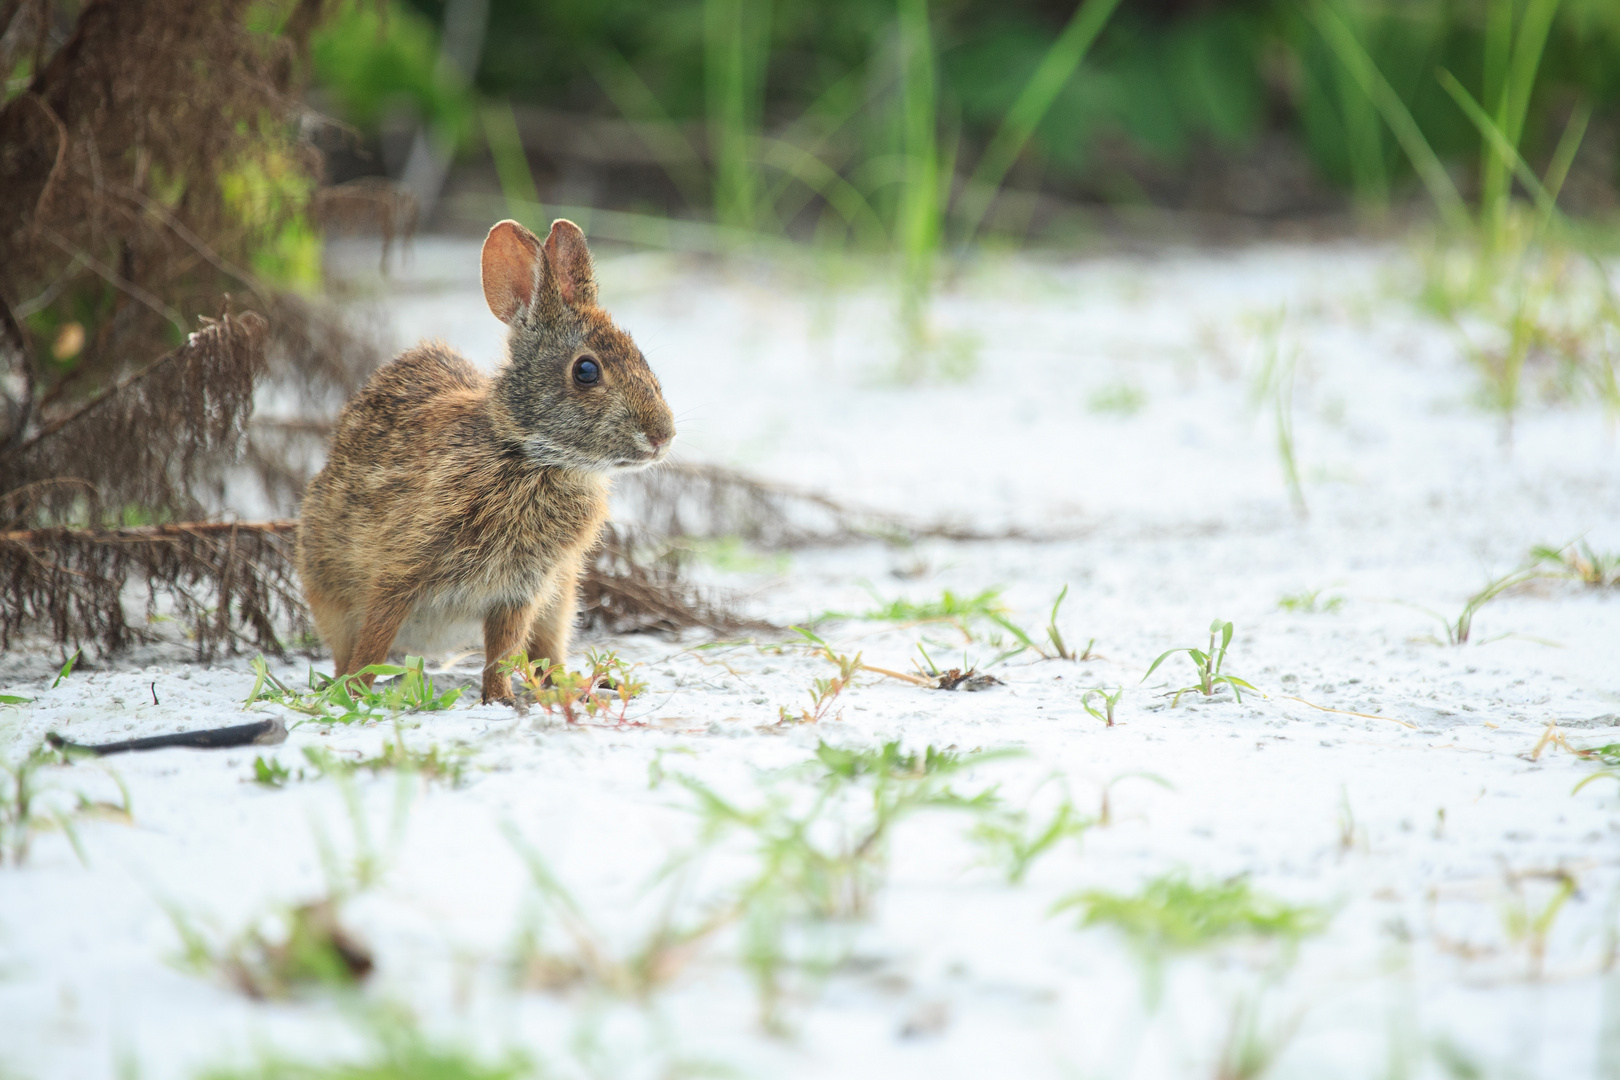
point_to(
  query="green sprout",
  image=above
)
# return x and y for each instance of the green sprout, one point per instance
(1208, 665)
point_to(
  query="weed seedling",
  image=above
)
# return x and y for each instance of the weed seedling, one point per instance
(67, 669)
(1054, 636)
(635, 973)
(1460, 629)
(398, 1049)
(1009, 840)
(24, 809)
(1581, 563)
(346, 700)
(1208, 665)
(608, 683)
(434, 763)
(1109, 702)
(305, 947)
(1274, 383)
(302, 947)
(1311, 602)
(271, 772)
(1173, 914)
(817, 861)
(1528, 927)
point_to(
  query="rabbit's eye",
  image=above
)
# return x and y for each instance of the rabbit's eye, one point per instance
(587, 372)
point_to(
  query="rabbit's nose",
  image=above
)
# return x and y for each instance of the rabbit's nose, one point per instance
(657, 442)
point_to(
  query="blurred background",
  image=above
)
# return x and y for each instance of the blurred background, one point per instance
(1030, 121)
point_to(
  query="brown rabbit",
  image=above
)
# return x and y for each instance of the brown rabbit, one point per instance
(450, 498)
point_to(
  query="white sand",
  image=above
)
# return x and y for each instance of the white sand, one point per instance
(1180, 516)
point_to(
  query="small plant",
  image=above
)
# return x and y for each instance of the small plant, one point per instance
(27, 806)
(846, 666)
(651, 964)
(434, 763)
(270, 772)
(1461, 629)
(823, 693)
(1208, 665)
(1311, 602)
(608, 683)
(1122, 399)
(398, 1051)
(817, 863)
(1601, 571)
(347, 700)
(1274, 383)
(1108, 702)
(302, 947)
(1054, 636)
(1105, 805)
(1174, 914)
(1010, 842)
(67, 669)
(1528, 926)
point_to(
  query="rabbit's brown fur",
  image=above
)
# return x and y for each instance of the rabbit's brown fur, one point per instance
(449, 496)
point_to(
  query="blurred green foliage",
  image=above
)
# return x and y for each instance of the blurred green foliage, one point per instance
(1165, 77)
(375, 58)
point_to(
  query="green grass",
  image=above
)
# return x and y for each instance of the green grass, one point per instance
(736, 46)
(434, 763)
(590, 959)
(966, 613)
(1460, 630)
(398, 1051)
(1600, 570)
(1121, 399)
(1273, 386)
(1013, 840)
(294, 950)
(1105, 702)
(33, 801)
(1173, 913)
(1055, 70)
(1208, 664)
(594, 695)
(817, 838)
(407, 689)
(1311, 602)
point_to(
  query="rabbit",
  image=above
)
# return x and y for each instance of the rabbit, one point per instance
(450, 498)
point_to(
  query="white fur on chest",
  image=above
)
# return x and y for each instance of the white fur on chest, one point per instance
(453, 619)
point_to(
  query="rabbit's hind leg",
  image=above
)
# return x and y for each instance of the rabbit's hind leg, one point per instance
(336, 626)
(384, 615)
(505, 627)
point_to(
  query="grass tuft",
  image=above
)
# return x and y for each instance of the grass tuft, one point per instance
(607, 684)
(1208, 664)
(408, 689)
(1599, 570)
(1174, 914)
(29, 806)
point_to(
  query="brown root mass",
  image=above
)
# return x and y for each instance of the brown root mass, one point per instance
(154, 155)
(230, 584)
(233, 586)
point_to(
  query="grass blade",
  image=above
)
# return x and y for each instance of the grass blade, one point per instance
(1056, 68)
(1353, 56)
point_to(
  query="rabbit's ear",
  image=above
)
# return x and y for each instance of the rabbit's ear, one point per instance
(511, 269)
(570, 263)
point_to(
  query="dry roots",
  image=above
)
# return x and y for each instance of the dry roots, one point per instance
(233, 585)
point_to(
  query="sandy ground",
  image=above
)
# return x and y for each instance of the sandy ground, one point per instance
(1470, 898)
